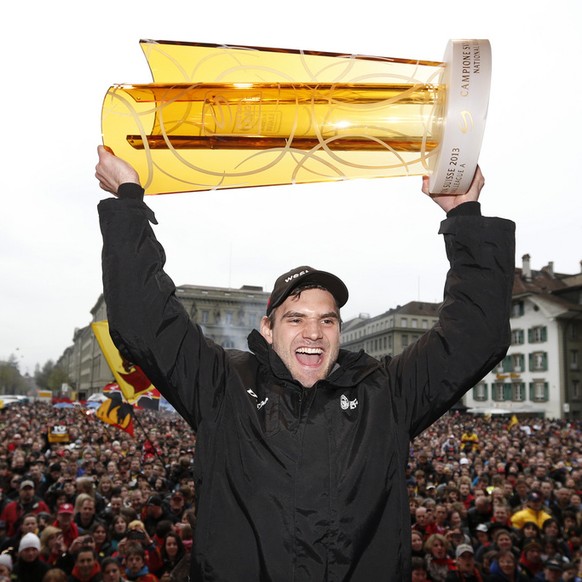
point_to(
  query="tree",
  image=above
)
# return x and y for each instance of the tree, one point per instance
(51, 376)
(11, 381)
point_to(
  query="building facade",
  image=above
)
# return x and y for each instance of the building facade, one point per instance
(542, 372)
(226, 316)
(391, 332)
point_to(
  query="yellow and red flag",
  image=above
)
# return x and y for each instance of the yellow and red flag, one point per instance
(133, 383)
(513, 421)
(116, 412)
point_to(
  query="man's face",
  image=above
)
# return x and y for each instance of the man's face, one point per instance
(534, 555)
(306, 335)
(29, 554)
(26, 494)
(85, 562)
(440, 514)
(466, 562)
(87, 511)
(134, 563)
(115, 505)
(29, 525)
(421, 516)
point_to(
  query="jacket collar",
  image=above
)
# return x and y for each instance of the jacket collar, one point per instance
(350, 370)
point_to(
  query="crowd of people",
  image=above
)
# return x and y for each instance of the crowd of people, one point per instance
(496, 499)
(98, 505)
(490, 499)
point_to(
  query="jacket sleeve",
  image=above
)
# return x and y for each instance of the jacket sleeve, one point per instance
(473, 331)
(147, 323)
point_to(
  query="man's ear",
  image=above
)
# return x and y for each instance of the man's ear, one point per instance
(266, 330)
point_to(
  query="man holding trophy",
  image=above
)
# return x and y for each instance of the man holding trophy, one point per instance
(302, 446)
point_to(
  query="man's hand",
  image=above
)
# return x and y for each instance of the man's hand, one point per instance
(448, 201)
(112, 171)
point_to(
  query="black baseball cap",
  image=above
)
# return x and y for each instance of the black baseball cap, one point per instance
(305, 275)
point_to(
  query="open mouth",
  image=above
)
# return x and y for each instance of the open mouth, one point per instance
(309, 356)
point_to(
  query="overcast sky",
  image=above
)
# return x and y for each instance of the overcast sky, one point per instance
(380, 236)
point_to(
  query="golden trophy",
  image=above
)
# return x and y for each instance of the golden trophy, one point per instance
(236, 116)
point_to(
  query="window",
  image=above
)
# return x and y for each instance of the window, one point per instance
(204, 316)
(513, 363)
(497, 391)
(480, 392)
(538, 361)
(573, 359)
(228, 318)
(425, 324)
(538, 391)
(538, 334)
(414, 322)
(404, 340)
(518, 391)
(517, 337)
(576, 395)
(404, 322)
(517, 309)
(517, 363)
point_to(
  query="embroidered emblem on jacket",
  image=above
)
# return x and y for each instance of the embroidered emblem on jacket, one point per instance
(259, 404)
(348, 404)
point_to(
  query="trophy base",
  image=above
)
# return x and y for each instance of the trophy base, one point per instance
(467, 78)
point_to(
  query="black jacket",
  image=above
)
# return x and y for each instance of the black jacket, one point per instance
(300, 484)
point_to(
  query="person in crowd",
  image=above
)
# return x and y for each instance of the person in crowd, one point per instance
(87, 567)
(176, 506)
(532, 512)
(29, 567)
(27, 502)
(466, 570)
(438, 561)
(85, 513)
(552, 571)
(28, 524)
(52, 545)
(136, 568)
(172, 552)
(65, 523)
(423, 521)
(530, 560)
(481, 512)
(111, 571)
(504, 568)
(100, 534)
(417, 544)
(49, 479)
(118, 531)
(136, 533)
(153, 512)
(530, 531)
(6, 564)
(419, 570)
(469, 440)
(552, 530)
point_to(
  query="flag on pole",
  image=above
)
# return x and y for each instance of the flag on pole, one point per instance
(116, 412)
(132, 382)
(512, 422)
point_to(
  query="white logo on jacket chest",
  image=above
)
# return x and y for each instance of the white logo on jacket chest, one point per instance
(347, 404)
(259, 404)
